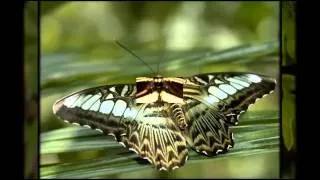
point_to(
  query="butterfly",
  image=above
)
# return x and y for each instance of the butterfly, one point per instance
(160, 118)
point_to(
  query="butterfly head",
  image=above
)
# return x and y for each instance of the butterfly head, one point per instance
(158, 84)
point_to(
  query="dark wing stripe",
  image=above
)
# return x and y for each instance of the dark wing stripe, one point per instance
(72, 100)
(199, 127)
(210, 126)
(96, 106)
(85, 100)
(236, 85)
(242, 79)
(79, 101)
(91, 102)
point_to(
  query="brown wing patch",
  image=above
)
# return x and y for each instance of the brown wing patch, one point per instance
(208, 132)
(164, 147)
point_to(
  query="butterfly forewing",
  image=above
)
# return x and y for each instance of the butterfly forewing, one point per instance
(104, 108)
(231, 93)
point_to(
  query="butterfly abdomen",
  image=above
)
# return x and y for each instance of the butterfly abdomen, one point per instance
(178, 116)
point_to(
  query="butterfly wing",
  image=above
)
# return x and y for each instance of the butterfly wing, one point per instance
(215, 101)
(156, 138)
(139, 127)
(99, 108)
(208, 131)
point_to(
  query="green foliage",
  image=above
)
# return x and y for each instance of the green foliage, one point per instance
(288, 59)
(91, 70)
(289, 33)
(31, 90)
(78, 52)
(288, 87)
(257, 133)
(289, 113)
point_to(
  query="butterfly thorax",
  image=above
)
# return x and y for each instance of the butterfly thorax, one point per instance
(164, 96)
(159, 89)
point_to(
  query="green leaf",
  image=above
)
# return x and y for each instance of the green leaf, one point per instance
(256, 134)
(288, 89)
(288, 113)
(288, 81)
(288, 33)
(31, 89)
(56, 75)
(77, 52)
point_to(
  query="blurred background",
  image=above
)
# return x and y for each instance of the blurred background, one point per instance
(78, 51)
(288, 66)
(31, 95)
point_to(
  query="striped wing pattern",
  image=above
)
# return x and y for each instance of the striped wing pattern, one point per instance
(145, 129)
(217, 103)
(160, 132)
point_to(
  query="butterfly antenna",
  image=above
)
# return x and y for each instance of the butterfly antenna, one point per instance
(160, 60)
(158, 68)
(133, 54)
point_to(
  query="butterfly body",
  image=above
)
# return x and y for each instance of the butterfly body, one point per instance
(159, 117)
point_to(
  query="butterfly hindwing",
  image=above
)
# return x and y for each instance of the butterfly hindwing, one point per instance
(208, 132)
(162, 144)
(142, 128)
(216, 102)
